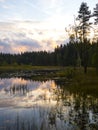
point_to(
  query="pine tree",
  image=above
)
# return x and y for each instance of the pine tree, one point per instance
(96, 14)
(84, 28)
(83, 17)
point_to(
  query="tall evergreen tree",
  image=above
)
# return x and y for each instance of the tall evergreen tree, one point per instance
(83, 17)
(96, 14)
(84, 28)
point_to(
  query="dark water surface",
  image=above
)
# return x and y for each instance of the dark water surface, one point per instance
(45, 105)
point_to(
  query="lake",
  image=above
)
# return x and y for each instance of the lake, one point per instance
(27, 104)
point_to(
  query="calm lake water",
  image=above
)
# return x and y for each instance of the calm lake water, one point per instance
(45, 105)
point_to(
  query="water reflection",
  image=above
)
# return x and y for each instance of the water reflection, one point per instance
(25, 93)
(41, 105)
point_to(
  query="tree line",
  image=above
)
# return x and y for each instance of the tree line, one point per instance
(79, 51)
(71, 54)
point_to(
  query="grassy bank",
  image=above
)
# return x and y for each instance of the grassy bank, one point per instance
(84, 84)
(31, 72)
(26, 67)
(76, 74)
(79, 82)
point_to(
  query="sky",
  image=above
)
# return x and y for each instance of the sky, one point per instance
(36, 25)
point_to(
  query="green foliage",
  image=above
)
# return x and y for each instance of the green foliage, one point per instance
(75, 54)
(95, 61)
(70, 73)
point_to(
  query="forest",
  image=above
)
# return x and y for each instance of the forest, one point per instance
(79, 51)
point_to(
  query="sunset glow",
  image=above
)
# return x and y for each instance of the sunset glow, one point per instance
(28, 25)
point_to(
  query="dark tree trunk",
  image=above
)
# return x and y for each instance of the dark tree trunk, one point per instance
(85, 69)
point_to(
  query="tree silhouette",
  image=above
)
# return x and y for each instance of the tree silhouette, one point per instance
(96, 14)
(83, 17)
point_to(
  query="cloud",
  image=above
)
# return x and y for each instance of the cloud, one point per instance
(6, 6)
(4, 46)
(17, 37)
(2, 0)
(13, 46)
(26, 45)
(29, 42)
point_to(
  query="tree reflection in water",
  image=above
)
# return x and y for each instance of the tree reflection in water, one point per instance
(82, 108)
(19, 89)
(72, 110)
